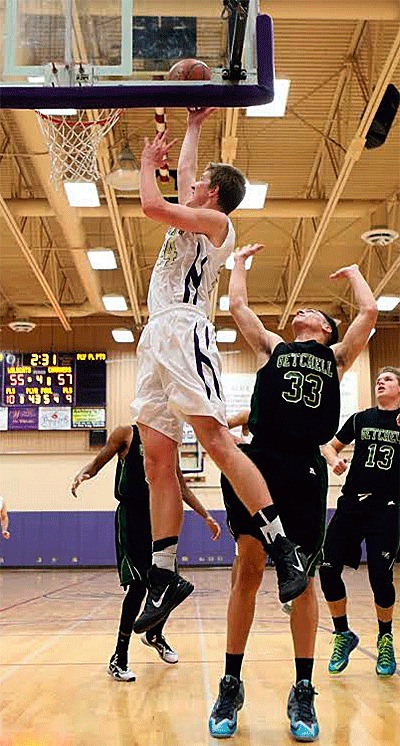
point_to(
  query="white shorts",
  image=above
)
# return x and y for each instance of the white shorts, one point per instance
(179, 372)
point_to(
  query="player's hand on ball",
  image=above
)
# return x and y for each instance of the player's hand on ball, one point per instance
(197, 115)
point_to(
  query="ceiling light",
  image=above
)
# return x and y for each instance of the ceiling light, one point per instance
(388, 302)
(114, 303)
(102, 258)
(254, 198)
(230, 262)
(224, 303)
(82, 193)
(226, 335)
(125, 175)
(122, 335)
(277, 107)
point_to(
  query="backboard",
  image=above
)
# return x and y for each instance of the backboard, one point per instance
(99, 53)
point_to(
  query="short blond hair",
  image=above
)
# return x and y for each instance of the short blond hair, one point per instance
(390, 369)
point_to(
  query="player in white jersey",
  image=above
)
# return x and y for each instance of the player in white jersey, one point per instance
(179, 366)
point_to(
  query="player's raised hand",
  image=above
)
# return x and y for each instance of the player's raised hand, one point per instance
(249, 250)
(196, 116)
(6, 534)
(81, 477)
(156, 152)
(214, 527)
(344, 272)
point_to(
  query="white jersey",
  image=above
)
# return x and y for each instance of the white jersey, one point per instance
(187, 269)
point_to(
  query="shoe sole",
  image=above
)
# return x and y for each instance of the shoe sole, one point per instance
(385, 675)
(177, 598)
(149, 645)
(123, 681)
(340, 670)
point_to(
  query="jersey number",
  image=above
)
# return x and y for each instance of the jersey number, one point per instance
(386, 452)
(303, 388)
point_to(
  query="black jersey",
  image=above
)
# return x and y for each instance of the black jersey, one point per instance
(375, 466)
(296, 399)
(130, 485)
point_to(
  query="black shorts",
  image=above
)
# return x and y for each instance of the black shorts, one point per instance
(133, 543)
(298, 488)
(375, 519)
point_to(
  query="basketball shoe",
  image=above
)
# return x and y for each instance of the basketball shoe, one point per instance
(160, 644)
(301, 712)
(223, 718)
(343, 644)
(386, 662)
(166, 590)
(119, 672)
(290, 564)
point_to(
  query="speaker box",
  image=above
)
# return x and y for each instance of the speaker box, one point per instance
(383, 119)
(97, 437)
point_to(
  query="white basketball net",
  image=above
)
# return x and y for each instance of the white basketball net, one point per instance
(73, 142)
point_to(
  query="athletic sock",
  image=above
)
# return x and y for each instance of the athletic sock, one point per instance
(122, 649)
(385, 628)
(304, 669)
(269, 523)
(164, 553)
(233, 664)
(340, 623)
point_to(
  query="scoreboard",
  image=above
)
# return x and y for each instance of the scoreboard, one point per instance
(52, 390)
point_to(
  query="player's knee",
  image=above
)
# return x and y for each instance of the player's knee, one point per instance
(159, 467)
(332, 584)
(249, 575)
(383, 589)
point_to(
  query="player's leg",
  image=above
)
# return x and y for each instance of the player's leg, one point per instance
(342, 546)
(166, 589)
(118, 667)
(154, 638)
(247, 576)
(250, 487)
(382, 540)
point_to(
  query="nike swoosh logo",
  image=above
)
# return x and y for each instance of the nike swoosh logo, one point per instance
(158, 603)
(299, 566)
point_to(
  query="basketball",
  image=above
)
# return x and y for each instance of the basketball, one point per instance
(189, 69)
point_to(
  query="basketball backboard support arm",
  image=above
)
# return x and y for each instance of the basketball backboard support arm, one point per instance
(235, 71)
(147, 94)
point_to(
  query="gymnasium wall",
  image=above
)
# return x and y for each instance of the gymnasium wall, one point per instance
(37, 469)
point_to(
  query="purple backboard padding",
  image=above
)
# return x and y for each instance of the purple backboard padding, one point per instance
(88, 536)
(148, 95)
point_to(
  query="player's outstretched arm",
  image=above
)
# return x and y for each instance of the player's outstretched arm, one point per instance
(115, 444)
(4, 521)
(331, 451)
(190, 499)
(202, 220)
(256, 335)
(187, 163)
(359, 330)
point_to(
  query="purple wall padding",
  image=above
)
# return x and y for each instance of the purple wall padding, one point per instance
(61, 539)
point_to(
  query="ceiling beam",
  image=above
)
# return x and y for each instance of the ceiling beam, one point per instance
(387, 277)
(26, 251)
(274, 208)
(352, 155)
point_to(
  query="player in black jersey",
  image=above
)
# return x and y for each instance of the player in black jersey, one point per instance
(133, 538)
(369, 508)
(294, 409)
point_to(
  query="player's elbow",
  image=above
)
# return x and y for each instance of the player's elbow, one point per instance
(236, 304)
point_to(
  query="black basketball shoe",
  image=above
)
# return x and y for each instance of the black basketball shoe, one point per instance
(290, 565)
(166, 590)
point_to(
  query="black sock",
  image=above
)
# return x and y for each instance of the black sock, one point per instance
(340, 623)
(156, 632)
(122, 649)
(233, 664)
(385, 628)
(269, 524)
(304, 669)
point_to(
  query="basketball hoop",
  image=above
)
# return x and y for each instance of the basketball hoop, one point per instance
(73, 141)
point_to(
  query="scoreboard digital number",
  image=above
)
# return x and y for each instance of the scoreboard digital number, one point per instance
(53, 380)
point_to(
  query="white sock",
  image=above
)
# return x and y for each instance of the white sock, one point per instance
(166, 558)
